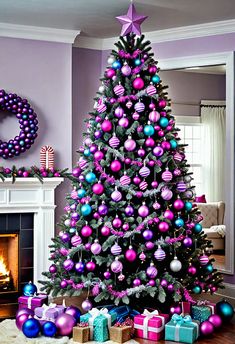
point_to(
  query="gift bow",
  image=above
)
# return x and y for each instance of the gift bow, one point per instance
(179, 320)
(45, 309)
(147, 316)
(95, 312)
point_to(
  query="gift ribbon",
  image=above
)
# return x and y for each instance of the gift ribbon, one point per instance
(206, 303)
(45, 309)
(149, 315)
(94, 312)
(179, 320)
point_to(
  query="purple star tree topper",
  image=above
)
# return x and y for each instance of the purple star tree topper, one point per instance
(131, 21)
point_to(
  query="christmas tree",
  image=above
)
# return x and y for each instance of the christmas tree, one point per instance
(131, 229)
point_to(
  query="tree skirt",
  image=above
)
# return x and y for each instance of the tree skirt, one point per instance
(9, 334)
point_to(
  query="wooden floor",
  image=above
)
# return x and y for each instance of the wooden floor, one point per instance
(219, 261)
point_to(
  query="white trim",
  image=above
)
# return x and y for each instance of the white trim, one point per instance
(213, 102)
(229, 291)
(167, 35)
(38, 33)
(187, 119)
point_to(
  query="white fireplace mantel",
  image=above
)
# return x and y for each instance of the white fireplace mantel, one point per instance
(29, 195)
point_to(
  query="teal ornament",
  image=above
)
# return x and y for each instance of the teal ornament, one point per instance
(87, 152)
(197, 228)
(163, 122)
(29, 289)
(156, 79)
(188, 206)
(21, 143)
(225, 310)
(209, 268)
(137, 62)
(179, 222)
(173, 144)
(31, 328)
(90, 177)
(116, 64)
(49, 329)
(197, 289)
(86, 209)
(149, 130)
(72, 230)
(81, 193)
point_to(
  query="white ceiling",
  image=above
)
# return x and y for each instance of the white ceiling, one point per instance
(96, 18)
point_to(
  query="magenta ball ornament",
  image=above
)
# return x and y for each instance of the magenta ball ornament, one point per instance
(86, 305)
(178, 204)
(170, 288)
(110, 73)
(126, 226)
(164, 283)
(149, 245)
(166, 145)
(107, 275)
(76, 172)
(25, 310)
(154, 184)
(163, 227)
(65, 323)
(129, 210)
(96, 248)
(86, 231)
(74, 311)
(187, 242)
(103, 209)
(168, 214)
(21, 319)
(68, 264)
(99, 155)
(154, 116)
(138, 83)
(152, 283)
(98, 188)
(136, 180)
(136, 282)
(116, 266)
(151, 271)
(152, 69)
(175, 309)
(143, 210)
(141, 152)
(158, 151)
(90, 266)
(87, 246)
(76, 240)
(53, 269)
(117, 223)
(147, 234)
(204, 259)
(149, 142)
(106, 126)
(166, 194)
(63, 284)
(162, 103)
(192, 270)
(216, 320)
(123, 122)
(105, 231)
(130, 145)
(116, 166)
(131, 254)
(126, 70)
(206, 328)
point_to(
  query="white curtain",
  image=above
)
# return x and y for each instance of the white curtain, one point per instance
(213, 154)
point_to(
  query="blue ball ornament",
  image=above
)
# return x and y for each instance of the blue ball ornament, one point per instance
(81, 193)
(49, 329)
(197, 289)
(149, 130)
(173, 144)
(87, 152)
(86, 209)
(163, 122)
(29, 289)
(137, 62)
(179, 222)
(90, 177)
(225, 310)
(116, 64)
(156, 79)
(209, 268)
(31, 328)
(72, 230)
(188, 206)
(197, 228)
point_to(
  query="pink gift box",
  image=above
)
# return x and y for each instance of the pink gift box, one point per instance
(32, 301)
(149, 325)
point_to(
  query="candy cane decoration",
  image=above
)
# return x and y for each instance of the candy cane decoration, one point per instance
(47, 157)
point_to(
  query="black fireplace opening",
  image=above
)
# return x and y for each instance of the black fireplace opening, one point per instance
(16, 259)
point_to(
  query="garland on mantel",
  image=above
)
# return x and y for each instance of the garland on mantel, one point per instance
(33, 171)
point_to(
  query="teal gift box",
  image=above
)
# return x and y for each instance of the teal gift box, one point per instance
(202, 310)
(182, 329)
(99, 323)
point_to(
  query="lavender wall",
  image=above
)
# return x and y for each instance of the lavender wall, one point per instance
(42, 73)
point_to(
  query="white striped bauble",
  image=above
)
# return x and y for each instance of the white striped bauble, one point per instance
(76, 240)
(204, 259)
(154, 116)
(143, 185)
(116, 250)
(181, 187)
(116, 196)
(144, 172)
(114, 142)
(139, 107)
(151, 90)
(178, 157)
(166, 194)
(101, 108)
(167, 176)
(119, 90)
(125, 180)
(159, 254)
(156, 205)
(74, 194)
(129, 104)
(82, 164)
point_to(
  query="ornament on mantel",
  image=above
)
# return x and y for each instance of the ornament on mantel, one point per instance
(47, 157)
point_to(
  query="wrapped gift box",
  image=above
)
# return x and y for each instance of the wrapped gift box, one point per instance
(32, 301)
(123, 312)
(81, 334)
(150, 325)
(50, 312)
(203, 310)
(99, 322)
(186, 307)
(182, 329)
(120, 334)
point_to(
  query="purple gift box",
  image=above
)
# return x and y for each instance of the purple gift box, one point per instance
(50, 312)
(32, 301)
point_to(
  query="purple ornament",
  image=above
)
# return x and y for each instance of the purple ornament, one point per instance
(96, 248)
(178, 204)
(158, 151)
(90, 266)
(65, 323)
(126, 70)
(65, 237)
(105, 231)
(63, 284)
(168, 214)
(25, 310)
(117, 223)
(103, 210)
(87, 305)
(116, 250)
(187, 242)
(21, 319)
(163, 227)
(166, 194)
(136, 180)
(136, 282)
(149, 245)
(76, 240)
(110, 73)
(131, 21)
(116, 196)
(138, 83)
(149, 142)
(160, 254)
(175, 309)
(106, 126)
(68, 264)
(98, 188)
(88, 246)
(107, 275)
(151, 271)
(206, 328)
(116, 266)
(119, 112)
(192, 270)
(170, 288)
(79, 267)
(53, 269)
(129, 210)
(164, 283)
(130, 145)
(99, 155)
(74, 311)
(143, 210)
(123, 122)
(147, 234)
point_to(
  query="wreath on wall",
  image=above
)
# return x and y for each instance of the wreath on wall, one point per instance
(28, 125)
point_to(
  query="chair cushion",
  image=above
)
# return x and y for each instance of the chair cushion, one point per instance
(211, 233)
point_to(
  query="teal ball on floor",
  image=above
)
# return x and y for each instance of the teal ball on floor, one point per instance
(225, 310)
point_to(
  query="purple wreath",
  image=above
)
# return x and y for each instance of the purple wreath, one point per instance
(28, 125)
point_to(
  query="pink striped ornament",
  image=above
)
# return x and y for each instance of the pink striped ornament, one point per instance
(125, 180)
(144, 172)
(178, 157)
(129, 104)
(204, 259)
(47, 157)
(167, 176)
(139, 107)
(143, 185)
(181, 187)
(101, 108)
(74, 194)
(114, 142)
(151, 90)
(160, 254)
(119, 90)
(76, 240)
(82, 164)
(154, 116)
(116, 196)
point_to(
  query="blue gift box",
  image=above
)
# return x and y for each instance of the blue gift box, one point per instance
(202, 312)
(99, 323)
(182, 329)
(123, 312)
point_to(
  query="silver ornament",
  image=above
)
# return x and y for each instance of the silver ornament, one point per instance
(175, 265)
(111, 60)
